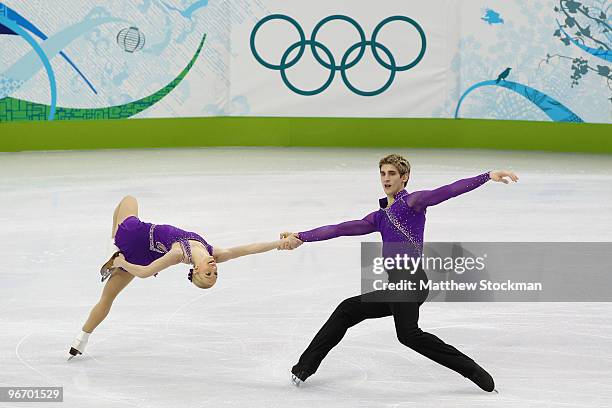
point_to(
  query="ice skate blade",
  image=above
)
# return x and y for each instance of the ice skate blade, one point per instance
(295, 381)
(73, 353)
(107, 269)
(105, 274)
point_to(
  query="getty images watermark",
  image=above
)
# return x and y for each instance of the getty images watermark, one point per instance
(477, 272)
(459, 266)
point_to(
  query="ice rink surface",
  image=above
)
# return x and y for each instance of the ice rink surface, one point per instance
(168, 344)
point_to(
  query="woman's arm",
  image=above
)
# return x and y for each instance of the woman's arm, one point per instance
(225, 254)
(173, 257)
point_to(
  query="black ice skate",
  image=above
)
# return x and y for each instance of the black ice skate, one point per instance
(482, 379)
(298, 377)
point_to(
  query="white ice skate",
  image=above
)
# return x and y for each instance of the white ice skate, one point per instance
(78, 345)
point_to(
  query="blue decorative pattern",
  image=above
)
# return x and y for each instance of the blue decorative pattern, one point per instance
(554, 109)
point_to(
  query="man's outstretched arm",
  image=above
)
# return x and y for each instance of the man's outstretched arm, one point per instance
(348, 228)
(422, 199)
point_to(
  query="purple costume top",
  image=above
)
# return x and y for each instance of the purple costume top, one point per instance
(402, 221)
(141, 242)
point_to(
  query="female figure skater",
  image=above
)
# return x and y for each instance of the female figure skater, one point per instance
(145, 249)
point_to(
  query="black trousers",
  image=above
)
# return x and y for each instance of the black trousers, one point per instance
(406, 316)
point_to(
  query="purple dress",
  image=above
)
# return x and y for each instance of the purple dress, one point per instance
(141, 242)
(401, 222)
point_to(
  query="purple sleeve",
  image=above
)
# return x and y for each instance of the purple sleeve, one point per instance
(349, 228)
(420, 200)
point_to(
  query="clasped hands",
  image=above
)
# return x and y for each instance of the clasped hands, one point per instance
(503, 176)
(289, 241)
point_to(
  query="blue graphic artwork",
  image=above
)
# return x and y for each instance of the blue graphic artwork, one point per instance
(587, 26)
(503, 75)
(604, 54)
(157, 48)
(26, 67)
(8, 83)
(23, 22)
(131, 39)
(492, 17)
(188, 12)
(552, 108)
(346, 63)
(12, 110)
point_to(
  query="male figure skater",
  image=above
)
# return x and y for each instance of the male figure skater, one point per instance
(400, 219)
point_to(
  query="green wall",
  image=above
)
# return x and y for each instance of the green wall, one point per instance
(326, 132)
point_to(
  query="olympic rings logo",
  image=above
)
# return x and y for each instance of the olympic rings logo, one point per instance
(346, 63)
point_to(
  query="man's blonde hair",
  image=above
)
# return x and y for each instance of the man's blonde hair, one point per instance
(401, 164)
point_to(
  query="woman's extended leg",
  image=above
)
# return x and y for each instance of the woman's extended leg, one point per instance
(119, 279)
(127, 207)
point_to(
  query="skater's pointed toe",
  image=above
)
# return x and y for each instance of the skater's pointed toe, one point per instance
(298, 376)
(78, 345)
(295, 380)
(73, 353)
(482, 379)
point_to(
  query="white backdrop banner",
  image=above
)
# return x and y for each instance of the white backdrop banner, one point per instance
(547, 60)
